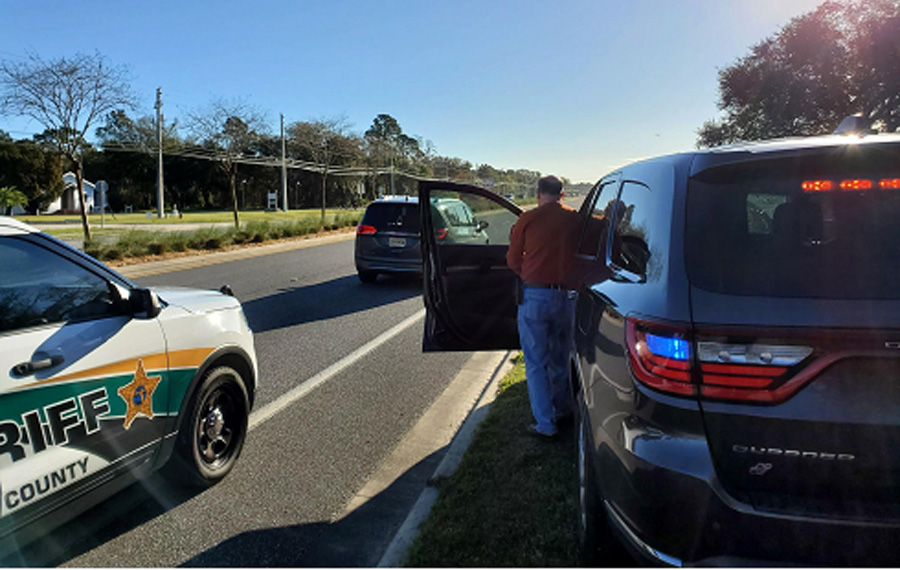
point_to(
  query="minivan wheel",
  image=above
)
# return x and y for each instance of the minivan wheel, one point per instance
(213, 431)
(588, 502)
(367, 276)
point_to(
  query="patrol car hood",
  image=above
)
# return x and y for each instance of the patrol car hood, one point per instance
(196, 300)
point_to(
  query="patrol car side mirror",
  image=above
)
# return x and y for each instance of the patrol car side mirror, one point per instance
(144, 303)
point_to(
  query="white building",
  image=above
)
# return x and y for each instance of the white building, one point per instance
(69, 200)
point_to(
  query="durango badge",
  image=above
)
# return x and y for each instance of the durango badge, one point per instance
(138, 394)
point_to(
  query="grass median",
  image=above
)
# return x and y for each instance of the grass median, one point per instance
(513, 501)
(142, 241)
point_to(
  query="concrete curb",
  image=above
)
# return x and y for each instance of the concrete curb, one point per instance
(396, 552)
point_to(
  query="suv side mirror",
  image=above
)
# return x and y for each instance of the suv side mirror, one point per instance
(144, 303)
(481, 225)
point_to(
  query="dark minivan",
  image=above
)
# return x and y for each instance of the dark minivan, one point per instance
(737, 362)
(387, 238)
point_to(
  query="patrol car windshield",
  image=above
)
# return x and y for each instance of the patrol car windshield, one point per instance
(822, 226)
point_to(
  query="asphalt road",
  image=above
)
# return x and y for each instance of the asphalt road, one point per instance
(283, 504)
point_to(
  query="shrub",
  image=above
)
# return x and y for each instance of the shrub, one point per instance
(157, 248)
(112, 254)
(240, 237)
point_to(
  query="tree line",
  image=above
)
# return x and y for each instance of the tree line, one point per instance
(223, 156)
(841, 59)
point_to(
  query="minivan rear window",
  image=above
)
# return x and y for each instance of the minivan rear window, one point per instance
(825, 225)
(388, 216)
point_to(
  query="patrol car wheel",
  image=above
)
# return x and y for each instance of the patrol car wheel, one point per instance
(213, 434)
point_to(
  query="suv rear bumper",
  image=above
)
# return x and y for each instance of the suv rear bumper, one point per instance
(388, 265)
(665, 502)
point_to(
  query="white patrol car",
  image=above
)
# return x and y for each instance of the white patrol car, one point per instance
(102, 382)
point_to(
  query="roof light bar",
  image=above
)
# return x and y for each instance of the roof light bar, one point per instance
(856, 184)
(817, 185)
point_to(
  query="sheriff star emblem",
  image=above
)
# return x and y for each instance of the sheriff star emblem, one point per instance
(138, 394)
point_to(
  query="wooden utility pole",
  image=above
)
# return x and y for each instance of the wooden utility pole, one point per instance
(160, 206)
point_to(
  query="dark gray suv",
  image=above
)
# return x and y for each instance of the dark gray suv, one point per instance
(737, 363)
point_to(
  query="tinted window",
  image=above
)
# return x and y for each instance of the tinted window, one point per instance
(754, 230)
(37, 287)
(388, 216)
(633, 224)
(596, 227)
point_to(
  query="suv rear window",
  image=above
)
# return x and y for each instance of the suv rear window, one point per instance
(390, 216)
(819, 226)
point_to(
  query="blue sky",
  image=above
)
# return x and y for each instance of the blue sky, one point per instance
(571, 87)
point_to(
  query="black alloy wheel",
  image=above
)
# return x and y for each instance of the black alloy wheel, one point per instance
(212, 436)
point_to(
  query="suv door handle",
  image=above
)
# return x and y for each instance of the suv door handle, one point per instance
(27, 368)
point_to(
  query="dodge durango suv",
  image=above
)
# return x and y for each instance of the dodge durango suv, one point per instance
(737, 350)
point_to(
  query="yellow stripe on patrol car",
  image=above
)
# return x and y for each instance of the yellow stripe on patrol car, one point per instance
(189, 358)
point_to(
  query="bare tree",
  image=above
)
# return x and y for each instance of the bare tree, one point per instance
(66, 96)
(322, 141)
(231, 130)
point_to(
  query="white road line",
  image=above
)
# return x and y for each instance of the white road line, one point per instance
(272, 408)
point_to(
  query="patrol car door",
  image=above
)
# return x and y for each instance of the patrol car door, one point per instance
(80, 377)
(470, 293)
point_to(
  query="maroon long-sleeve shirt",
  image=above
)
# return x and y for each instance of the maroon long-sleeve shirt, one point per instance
(542, 243)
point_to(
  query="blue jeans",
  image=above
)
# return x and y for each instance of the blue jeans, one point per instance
(546, 331)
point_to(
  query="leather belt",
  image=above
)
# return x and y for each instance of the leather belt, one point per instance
(531, 285)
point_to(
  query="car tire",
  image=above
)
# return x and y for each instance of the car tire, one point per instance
(597, 544)
(213, 431)
(367, 276)
(589, 520)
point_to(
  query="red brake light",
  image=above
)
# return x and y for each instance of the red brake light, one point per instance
(817, 185)
(749, 372)
(365, 230)
(856, 184)
(665, 358)
(440, 234)
(889, 183)
(660, 357)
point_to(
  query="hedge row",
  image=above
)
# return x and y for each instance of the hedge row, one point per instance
(140, 243)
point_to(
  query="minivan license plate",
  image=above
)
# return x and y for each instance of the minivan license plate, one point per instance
(397, 242)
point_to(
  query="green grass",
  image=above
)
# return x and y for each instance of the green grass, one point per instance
(202, 217)
(513, 499)
(140, 242)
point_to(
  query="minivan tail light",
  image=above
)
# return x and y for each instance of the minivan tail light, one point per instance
(365, 230)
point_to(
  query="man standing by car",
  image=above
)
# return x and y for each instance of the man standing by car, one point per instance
(542, 245)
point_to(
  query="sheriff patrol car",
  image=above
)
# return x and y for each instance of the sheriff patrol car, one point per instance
(103, 382)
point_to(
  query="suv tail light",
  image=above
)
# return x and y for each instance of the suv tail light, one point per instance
(660, 357)
(365, 230)
(669, 359)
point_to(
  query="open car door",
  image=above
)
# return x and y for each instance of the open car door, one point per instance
(470, 293)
